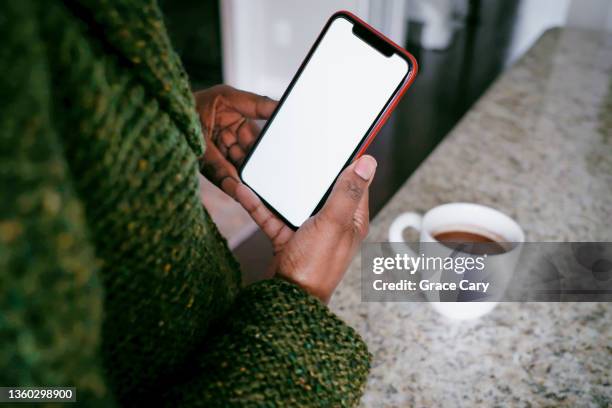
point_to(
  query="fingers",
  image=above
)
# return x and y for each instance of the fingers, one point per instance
(225, 141)
(361, 218)
(247, 132)
(347, 203)
(218, 170)
(230, 148)
(234, 142)
(276, 230)
(232, 104)
(251, 105)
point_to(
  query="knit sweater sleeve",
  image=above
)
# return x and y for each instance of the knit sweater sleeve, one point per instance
(277, 345)
(282, 347)
(50, 297)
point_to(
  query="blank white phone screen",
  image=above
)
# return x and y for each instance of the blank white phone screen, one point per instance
(339, 94)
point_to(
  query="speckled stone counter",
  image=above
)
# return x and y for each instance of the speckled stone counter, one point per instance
(537, 146)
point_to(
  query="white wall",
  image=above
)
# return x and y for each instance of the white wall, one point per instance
(264, 41)
(536, 16)
(592, 14)
(533, 18)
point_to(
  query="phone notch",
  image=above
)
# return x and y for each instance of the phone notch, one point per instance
(373, 40)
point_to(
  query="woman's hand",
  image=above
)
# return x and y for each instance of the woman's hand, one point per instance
(317, 255)
(228, 122)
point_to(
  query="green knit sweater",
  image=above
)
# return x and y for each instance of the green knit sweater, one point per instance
(113, 279)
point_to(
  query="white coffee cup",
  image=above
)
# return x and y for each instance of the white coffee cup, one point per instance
(466, 217)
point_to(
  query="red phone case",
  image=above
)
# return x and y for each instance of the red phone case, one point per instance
(399, 94)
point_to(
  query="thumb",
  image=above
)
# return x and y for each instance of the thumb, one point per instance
(349, 191)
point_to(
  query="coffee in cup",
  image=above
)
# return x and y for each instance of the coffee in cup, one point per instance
(468, 228)
(476, 243)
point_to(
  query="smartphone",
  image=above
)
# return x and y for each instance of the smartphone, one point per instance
(348, 84)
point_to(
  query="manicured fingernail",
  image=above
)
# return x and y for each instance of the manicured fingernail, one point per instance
(365, 167)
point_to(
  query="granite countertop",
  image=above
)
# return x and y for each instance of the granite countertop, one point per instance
(537, 146)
